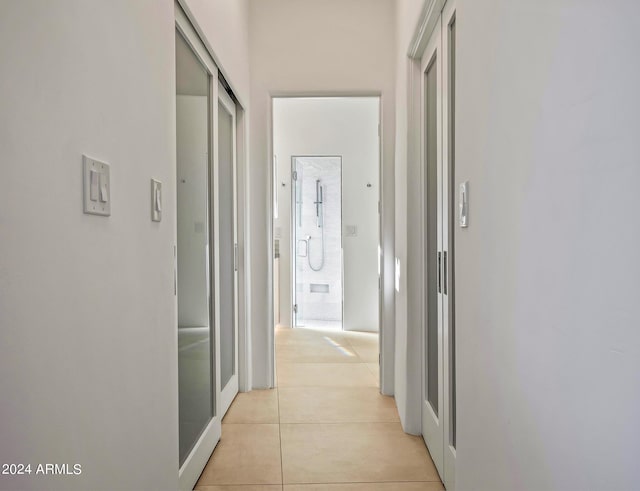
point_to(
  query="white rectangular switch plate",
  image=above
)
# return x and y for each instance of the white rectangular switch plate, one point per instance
(96, 187)
(156, 200)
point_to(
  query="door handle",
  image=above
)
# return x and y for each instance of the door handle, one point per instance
(445, 272)
(235, 257)
(439, 272)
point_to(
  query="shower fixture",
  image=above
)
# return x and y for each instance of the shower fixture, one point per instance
(319, 202)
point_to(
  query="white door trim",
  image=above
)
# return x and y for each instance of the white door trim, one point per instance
(229, 391)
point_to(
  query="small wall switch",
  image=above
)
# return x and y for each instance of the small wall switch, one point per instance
(96, 187)
(463, 204)
(156, 200)
(94, 177)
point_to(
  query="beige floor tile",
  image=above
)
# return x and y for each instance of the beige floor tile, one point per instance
(246, 454)
(353, 452)
(368, 486)
(308, 336)
(335, 405)
(356, 338)
(241, 487)
(375, 369)
(257, 406)
(367, 354)
(325, 375)
(317, 353)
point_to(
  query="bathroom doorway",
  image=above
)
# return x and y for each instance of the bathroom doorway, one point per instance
(326, 220)
(317, 242)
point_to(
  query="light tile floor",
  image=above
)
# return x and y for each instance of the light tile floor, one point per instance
(326, 426)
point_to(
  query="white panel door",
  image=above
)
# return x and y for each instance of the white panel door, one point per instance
(431, 151)
(439, 212)
(198, 271)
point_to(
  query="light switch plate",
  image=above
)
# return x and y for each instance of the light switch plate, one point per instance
(463, 204)
(96, 187)
(156, 200)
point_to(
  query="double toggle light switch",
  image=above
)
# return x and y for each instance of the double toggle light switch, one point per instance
(97, 187)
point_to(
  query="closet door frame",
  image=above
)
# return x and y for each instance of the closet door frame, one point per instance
(230, 390)
(447, 20)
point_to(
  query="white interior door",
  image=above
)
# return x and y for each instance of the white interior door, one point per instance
(438, 157)
(432, 400)
(226, 216)
(197, 272)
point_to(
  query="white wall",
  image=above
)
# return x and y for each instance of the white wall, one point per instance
(347, 127)
(407, 345)
(305, 47)
(224, 24)
(547, 273)
(87, 311)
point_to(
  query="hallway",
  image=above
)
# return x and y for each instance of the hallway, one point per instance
(326, 422)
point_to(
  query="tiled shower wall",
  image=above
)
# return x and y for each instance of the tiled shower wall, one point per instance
(325, 303)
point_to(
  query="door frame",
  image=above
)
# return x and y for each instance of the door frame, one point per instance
(386, 333)
(229, 391)
(448, 18)
(294, 245)
(195, 462)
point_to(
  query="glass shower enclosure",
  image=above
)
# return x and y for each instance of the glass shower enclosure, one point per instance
(317, 241)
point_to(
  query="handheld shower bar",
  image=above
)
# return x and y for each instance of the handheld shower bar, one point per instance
(318, 203)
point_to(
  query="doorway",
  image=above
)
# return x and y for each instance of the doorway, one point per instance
(317, 227)
(326, 225)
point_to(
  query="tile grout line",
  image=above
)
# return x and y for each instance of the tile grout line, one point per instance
(279, 421)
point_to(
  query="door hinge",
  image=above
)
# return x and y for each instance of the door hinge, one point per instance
(295, 175)
(295, 308)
